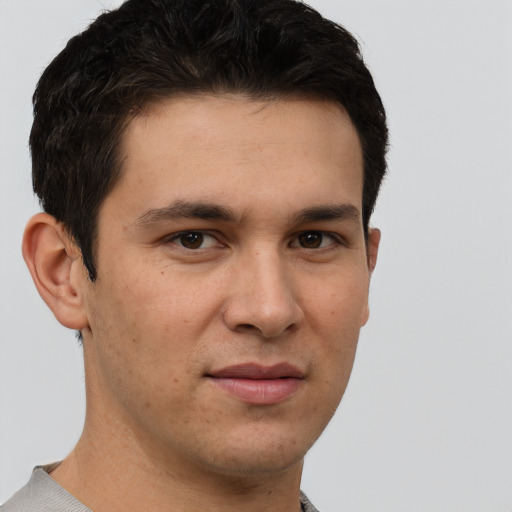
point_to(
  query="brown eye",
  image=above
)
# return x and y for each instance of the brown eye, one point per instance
(191, 240)
(311, 239)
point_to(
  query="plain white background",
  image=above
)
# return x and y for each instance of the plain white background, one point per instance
(426, 423)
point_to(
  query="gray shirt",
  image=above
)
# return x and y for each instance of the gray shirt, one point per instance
(44, 494)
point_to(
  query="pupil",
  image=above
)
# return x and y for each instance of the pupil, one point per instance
(191, 240)
(311, 239)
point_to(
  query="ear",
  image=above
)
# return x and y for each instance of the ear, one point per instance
(56, 266)
(372, 250)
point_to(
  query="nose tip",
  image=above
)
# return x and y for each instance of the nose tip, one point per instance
(269, 324)
(263, 303)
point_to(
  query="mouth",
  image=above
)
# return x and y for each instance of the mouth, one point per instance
(257, 384)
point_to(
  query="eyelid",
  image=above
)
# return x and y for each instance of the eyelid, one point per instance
(174, 237)
(335, 237)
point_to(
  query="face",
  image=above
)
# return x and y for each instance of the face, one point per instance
(232, 281)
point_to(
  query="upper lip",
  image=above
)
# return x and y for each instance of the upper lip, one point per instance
(258, 371)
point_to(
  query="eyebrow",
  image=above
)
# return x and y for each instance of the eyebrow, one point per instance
(186, 210)
(212, 211)
(326, 213)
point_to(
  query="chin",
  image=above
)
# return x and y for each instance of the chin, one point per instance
(259, 465)
(260, 454)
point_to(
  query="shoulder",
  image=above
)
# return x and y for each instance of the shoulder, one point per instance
(43, 494)
(306, 505)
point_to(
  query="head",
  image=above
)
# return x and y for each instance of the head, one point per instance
(208, 169)
(153, 49)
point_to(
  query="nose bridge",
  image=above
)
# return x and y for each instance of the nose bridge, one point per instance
(263, 296)
(270, 282)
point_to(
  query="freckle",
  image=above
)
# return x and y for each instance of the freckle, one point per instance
(162, 273)
(175, 380)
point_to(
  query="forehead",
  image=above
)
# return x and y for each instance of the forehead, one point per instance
(229, 148)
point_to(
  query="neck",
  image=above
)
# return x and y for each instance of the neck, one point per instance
(114, 471)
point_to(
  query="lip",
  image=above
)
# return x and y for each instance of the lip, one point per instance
(258, 384)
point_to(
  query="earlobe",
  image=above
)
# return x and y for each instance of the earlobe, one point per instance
(56, 267)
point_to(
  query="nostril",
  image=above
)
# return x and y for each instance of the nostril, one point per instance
(265, 332)
(256, 316)
(248, 327)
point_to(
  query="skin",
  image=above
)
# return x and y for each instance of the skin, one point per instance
(270, 284)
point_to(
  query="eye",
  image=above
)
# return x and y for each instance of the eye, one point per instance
(194, 240)
(315, 240)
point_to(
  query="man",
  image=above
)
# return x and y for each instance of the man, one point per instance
(207, 171)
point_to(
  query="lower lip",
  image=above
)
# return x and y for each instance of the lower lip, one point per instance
(259, 391)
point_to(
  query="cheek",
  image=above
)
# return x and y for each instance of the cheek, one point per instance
(340, 305)
(335, 317)
(160, 300)
(144, 353)
(150, 326)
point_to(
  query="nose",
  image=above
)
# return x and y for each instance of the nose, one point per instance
(262, 298)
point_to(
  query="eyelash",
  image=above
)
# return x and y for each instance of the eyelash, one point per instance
(175, 238)
(335, 239)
